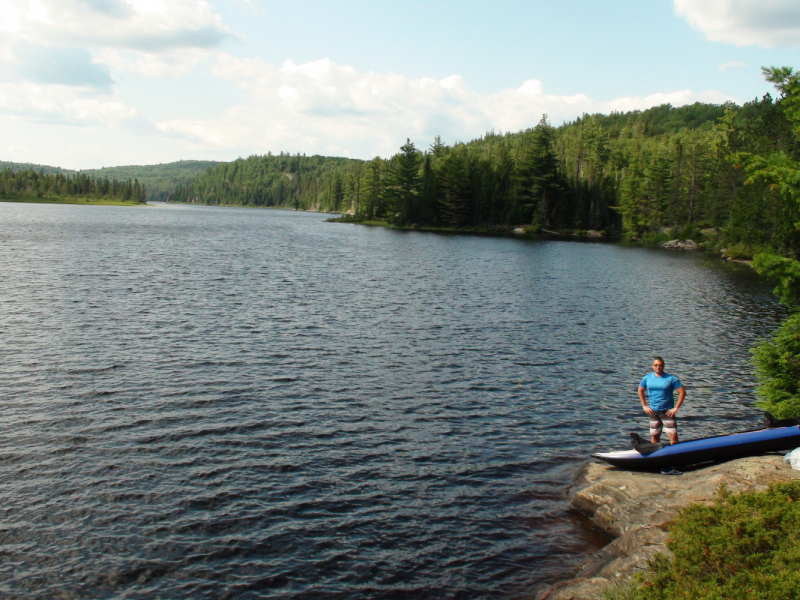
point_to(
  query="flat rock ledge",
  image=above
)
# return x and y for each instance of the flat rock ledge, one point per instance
(634, 510)
(680, 244)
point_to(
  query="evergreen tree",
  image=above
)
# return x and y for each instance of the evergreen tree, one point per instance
(456, 187)
(32, 185)
(337, 192)
(429, 198)
(403, 189)
(371, 190)
(537, 175)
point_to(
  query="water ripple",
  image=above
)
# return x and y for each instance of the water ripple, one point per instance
(229, 403)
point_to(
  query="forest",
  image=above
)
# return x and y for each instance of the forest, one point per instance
(32, 185)
(667, 172)
(290, 181)
(158, 179)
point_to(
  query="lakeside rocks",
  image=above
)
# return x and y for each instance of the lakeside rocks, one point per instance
(634, 509)
(680, 244)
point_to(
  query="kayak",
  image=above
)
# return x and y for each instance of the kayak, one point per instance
(647, 456)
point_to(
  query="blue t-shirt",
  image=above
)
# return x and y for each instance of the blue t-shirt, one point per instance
(659, 390)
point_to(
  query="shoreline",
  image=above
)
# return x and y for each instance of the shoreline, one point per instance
(634, 510)
(82, 202)
(513, 232)
(709, 246)
(516, 232)
(249, 206)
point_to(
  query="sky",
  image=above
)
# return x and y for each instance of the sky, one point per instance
(93, 83)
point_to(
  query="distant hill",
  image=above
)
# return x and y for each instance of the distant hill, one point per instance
(158, 179)
(47, 170)
(287, 180)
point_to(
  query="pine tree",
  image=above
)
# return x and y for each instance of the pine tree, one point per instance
(371, 192)
(538, 181)
(337, 192)
(403, 189)
(455, 187)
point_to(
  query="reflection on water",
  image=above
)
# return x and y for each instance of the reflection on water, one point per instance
(257, 404)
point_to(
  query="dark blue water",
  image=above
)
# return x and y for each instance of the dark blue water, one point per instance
(232, 403)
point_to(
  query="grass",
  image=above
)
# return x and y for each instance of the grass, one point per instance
(620, 591)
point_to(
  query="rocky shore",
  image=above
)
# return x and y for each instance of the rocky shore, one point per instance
(634, 509)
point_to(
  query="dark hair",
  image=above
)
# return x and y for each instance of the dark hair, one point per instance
(655, 358)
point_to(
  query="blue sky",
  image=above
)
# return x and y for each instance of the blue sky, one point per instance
(90, 83)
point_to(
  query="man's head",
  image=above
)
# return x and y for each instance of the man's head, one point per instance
(658, 365)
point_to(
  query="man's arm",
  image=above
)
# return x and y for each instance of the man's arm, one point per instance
(681, 395)
(646, 408)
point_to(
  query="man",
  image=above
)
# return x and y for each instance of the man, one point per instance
(662, 409)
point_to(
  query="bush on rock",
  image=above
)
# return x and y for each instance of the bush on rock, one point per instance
(743, 546)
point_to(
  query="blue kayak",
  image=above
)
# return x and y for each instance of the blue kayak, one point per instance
(646, 456)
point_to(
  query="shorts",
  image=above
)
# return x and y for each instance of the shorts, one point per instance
(669, 423)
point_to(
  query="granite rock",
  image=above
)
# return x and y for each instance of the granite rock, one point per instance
(680, 244)
(635, 509)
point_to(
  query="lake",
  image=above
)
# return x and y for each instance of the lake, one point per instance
(240, 403)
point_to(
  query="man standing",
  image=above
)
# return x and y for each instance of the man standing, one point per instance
(662, 409)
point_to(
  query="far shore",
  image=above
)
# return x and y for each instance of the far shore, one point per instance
(258, 206)
(515, 231)
(67, 200)
(530, 232)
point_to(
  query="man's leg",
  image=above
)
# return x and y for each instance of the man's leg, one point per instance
(671, 427)
(655, 427)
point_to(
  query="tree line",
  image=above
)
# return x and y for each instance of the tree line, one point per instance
(776, 169)
(653, 174)
(159, 179)
(30, 184)
(284, 180)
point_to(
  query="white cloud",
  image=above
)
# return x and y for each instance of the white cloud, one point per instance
(145, 25)
(251, 6)
(63, 104)
(173, 63)
(767, 23)
(736, 65)
(316, 107)
(319, 106)
(10, 18)
(20, 61)
(63, 145)
(74, 42)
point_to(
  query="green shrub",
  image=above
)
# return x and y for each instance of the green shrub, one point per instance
(743, 546)
(740, 252)
(785, 271)
(346, 219)
(656, 237)
(777, 362)
(687, 232)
